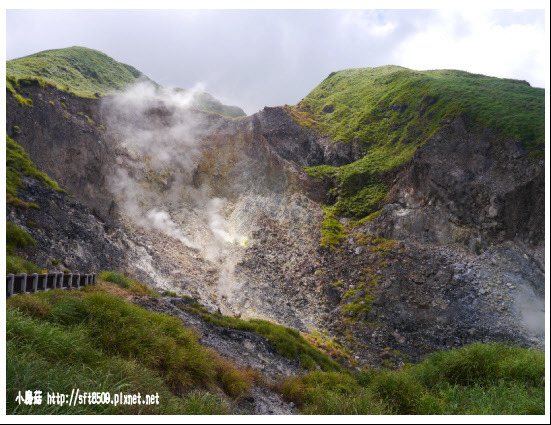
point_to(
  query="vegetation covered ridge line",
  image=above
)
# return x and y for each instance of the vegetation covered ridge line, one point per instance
(369, 104)
(390, 111)
(89, 73)
(288, 342)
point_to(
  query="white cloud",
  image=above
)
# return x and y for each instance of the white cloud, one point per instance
(366, 24)
(477, 42)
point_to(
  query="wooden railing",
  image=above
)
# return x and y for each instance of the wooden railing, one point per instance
(28, 284)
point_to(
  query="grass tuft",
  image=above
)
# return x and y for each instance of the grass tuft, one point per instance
(17, 238)
(135, 287)
(332, 231)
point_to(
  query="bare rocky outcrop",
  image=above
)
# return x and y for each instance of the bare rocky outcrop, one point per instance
(66, 232)
(303, 146)
(472, 187)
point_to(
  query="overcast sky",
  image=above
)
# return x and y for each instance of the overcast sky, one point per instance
(253, 58)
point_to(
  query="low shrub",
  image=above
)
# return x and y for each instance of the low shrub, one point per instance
(17, 265)
(17, 238)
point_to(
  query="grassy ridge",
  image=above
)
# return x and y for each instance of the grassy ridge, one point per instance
(78, 70)
(397, 105)
(132, 285)
(94, 340)
(391, 111)
(206, 102)
(88, 73)
(478, 379)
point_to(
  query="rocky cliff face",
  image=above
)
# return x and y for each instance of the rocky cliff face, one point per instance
(62, 135)
(68, 234)
(468, 187)
(222, 210)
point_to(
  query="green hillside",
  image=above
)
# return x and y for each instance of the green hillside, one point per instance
(207, 102)
(78, 70)
(88, 73)
(392, 111)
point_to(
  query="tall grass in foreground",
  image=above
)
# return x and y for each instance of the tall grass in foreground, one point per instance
(478, 379)
(95, 341)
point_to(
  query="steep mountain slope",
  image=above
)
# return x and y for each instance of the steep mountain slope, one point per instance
(391, 111)
(90, 73)
(415, 226)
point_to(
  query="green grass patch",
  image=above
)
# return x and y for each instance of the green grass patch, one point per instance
(489, 379)
(289, 342)
(23, 101)
(137, 288)
(16, 237)
(19, 164)
(332, 231)
(96, 341)
(357, 302)
(17, 265)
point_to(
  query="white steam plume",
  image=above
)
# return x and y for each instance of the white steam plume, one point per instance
(217, 224)
(161, 220)
(162, 142)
